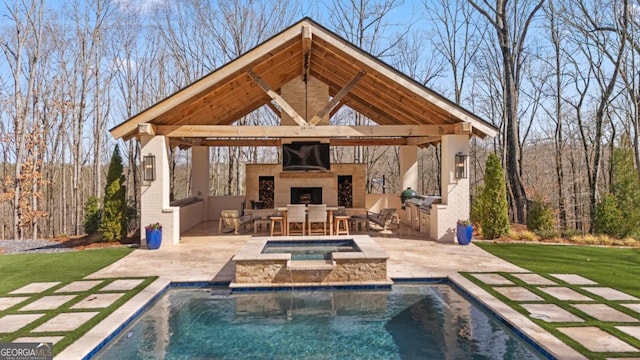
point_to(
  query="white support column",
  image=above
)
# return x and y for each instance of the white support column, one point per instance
(200, 175)
(409, 167)
(455, 192)
(154, 202)
(408, 179)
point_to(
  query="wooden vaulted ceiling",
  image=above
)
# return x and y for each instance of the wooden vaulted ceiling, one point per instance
(206, 108)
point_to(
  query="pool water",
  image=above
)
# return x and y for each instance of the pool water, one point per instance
(310, 249)
(407, 322)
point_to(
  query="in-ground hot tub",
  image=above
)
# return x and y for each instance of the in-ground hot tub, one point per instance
(310, 249)
(309, 260)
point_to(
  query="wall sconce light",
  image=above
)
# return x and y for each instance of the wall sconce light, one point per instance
(460, 166)
(148, 168)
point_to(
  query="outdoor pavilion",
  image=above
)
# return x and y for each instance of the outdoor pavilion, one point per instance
(304, 74)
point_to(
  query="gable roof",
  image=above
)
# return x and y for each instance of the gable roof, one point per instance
(369, 86)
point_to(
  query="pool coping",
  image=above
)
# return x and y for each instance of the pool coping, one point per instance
(97, 338)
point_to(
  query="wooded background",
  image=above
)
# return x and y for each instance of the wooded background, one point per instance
(559, 79)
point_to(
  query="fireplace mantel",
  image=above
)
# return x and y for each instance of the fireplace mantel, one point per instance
(306, 174)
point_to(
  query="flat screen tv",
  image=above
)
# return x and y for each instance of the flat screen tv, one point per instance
(305, 156)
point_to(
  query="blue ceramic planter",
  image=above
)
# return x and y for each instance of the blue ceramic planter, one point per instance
(154, 239)
(464, 233)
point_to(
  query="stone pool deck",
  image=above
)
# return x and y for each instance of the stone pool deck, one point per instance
(203, 256)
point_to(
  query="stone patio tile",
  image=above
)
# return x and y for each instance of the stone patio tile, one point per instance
(97, 301)
(122, 285)
(518, 294)
(39, 339)
(493, 279)
(9, 301)
(35, 288)
(609, 293)
(603, 312)
(13, 322)
(565, 294)
(631, 330)
(66, 322)
(574, 279)
(596, 340)
(79, 286)
(534, 279)
(550, 313)
(634, 307)
(48, 302)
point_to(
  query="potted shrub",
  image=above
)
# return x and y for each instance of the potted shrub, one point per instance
(464, 232)
(154, 235)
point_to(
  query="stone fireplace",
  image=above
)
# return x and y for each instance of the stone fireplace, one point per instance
(323, 185)
(306, 195)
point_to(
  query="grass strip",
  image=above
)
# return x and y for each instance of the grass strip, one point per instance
(22, 269)
(611, 267)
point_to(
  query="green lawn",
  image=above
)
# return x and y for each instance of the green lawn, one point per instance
(614, 267)
(21, 269)
(617, 268)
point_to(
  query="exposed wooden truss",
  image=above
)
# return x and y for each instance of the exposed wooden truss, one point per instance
(355, 79)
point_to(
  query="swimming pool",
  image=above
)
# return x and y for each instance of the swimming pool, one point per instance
(407, 322)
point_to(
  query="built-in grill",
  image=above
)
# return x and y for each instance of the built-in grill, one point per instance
(420, 209)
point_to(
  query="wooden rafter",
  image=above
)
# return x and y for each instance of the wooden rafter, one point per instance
(306, 51)
(278, 99)
(337, 98)
(274, 109)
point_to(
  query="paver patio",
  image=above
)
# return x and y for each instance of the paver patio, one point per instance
(79, 286)
(597, 340)
(35, 288)
(565, 294)
(551, 313)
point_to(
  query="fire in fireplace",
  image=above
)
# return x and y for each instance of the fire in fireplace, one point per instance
(312, 195)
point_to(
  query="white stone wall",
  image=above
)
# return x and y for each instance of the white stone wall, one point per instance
(455, 192)
(155, 194)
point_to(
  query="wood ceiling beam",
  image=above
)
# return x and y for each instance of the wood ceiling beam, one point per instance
(274, 109)
(306, 131)
(337, 98)
(420, 140)
(241, 142)
(306, 51)
(396, 103)
(189, 142)
(278, 99)
(369, 142)
(335, 109)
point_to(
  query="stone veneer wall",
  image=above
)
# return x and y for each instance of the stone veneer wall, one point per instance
(328, 180)
(270, 272)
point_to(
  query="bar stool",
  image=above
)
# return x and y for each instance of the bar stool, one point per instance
(277, 220)
(344, 220)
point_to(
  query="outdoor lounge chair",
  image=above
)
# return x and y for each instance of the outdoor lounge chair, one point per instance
(382, 219)
(230, 220)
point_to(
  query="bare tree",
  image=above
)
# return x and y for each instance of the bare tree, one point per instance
(511, 22)
(21, 50)
(600, 48)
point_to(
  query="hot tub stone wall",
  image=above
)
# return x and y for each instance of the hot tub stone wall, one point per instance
(360, 270)
(260, 272)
